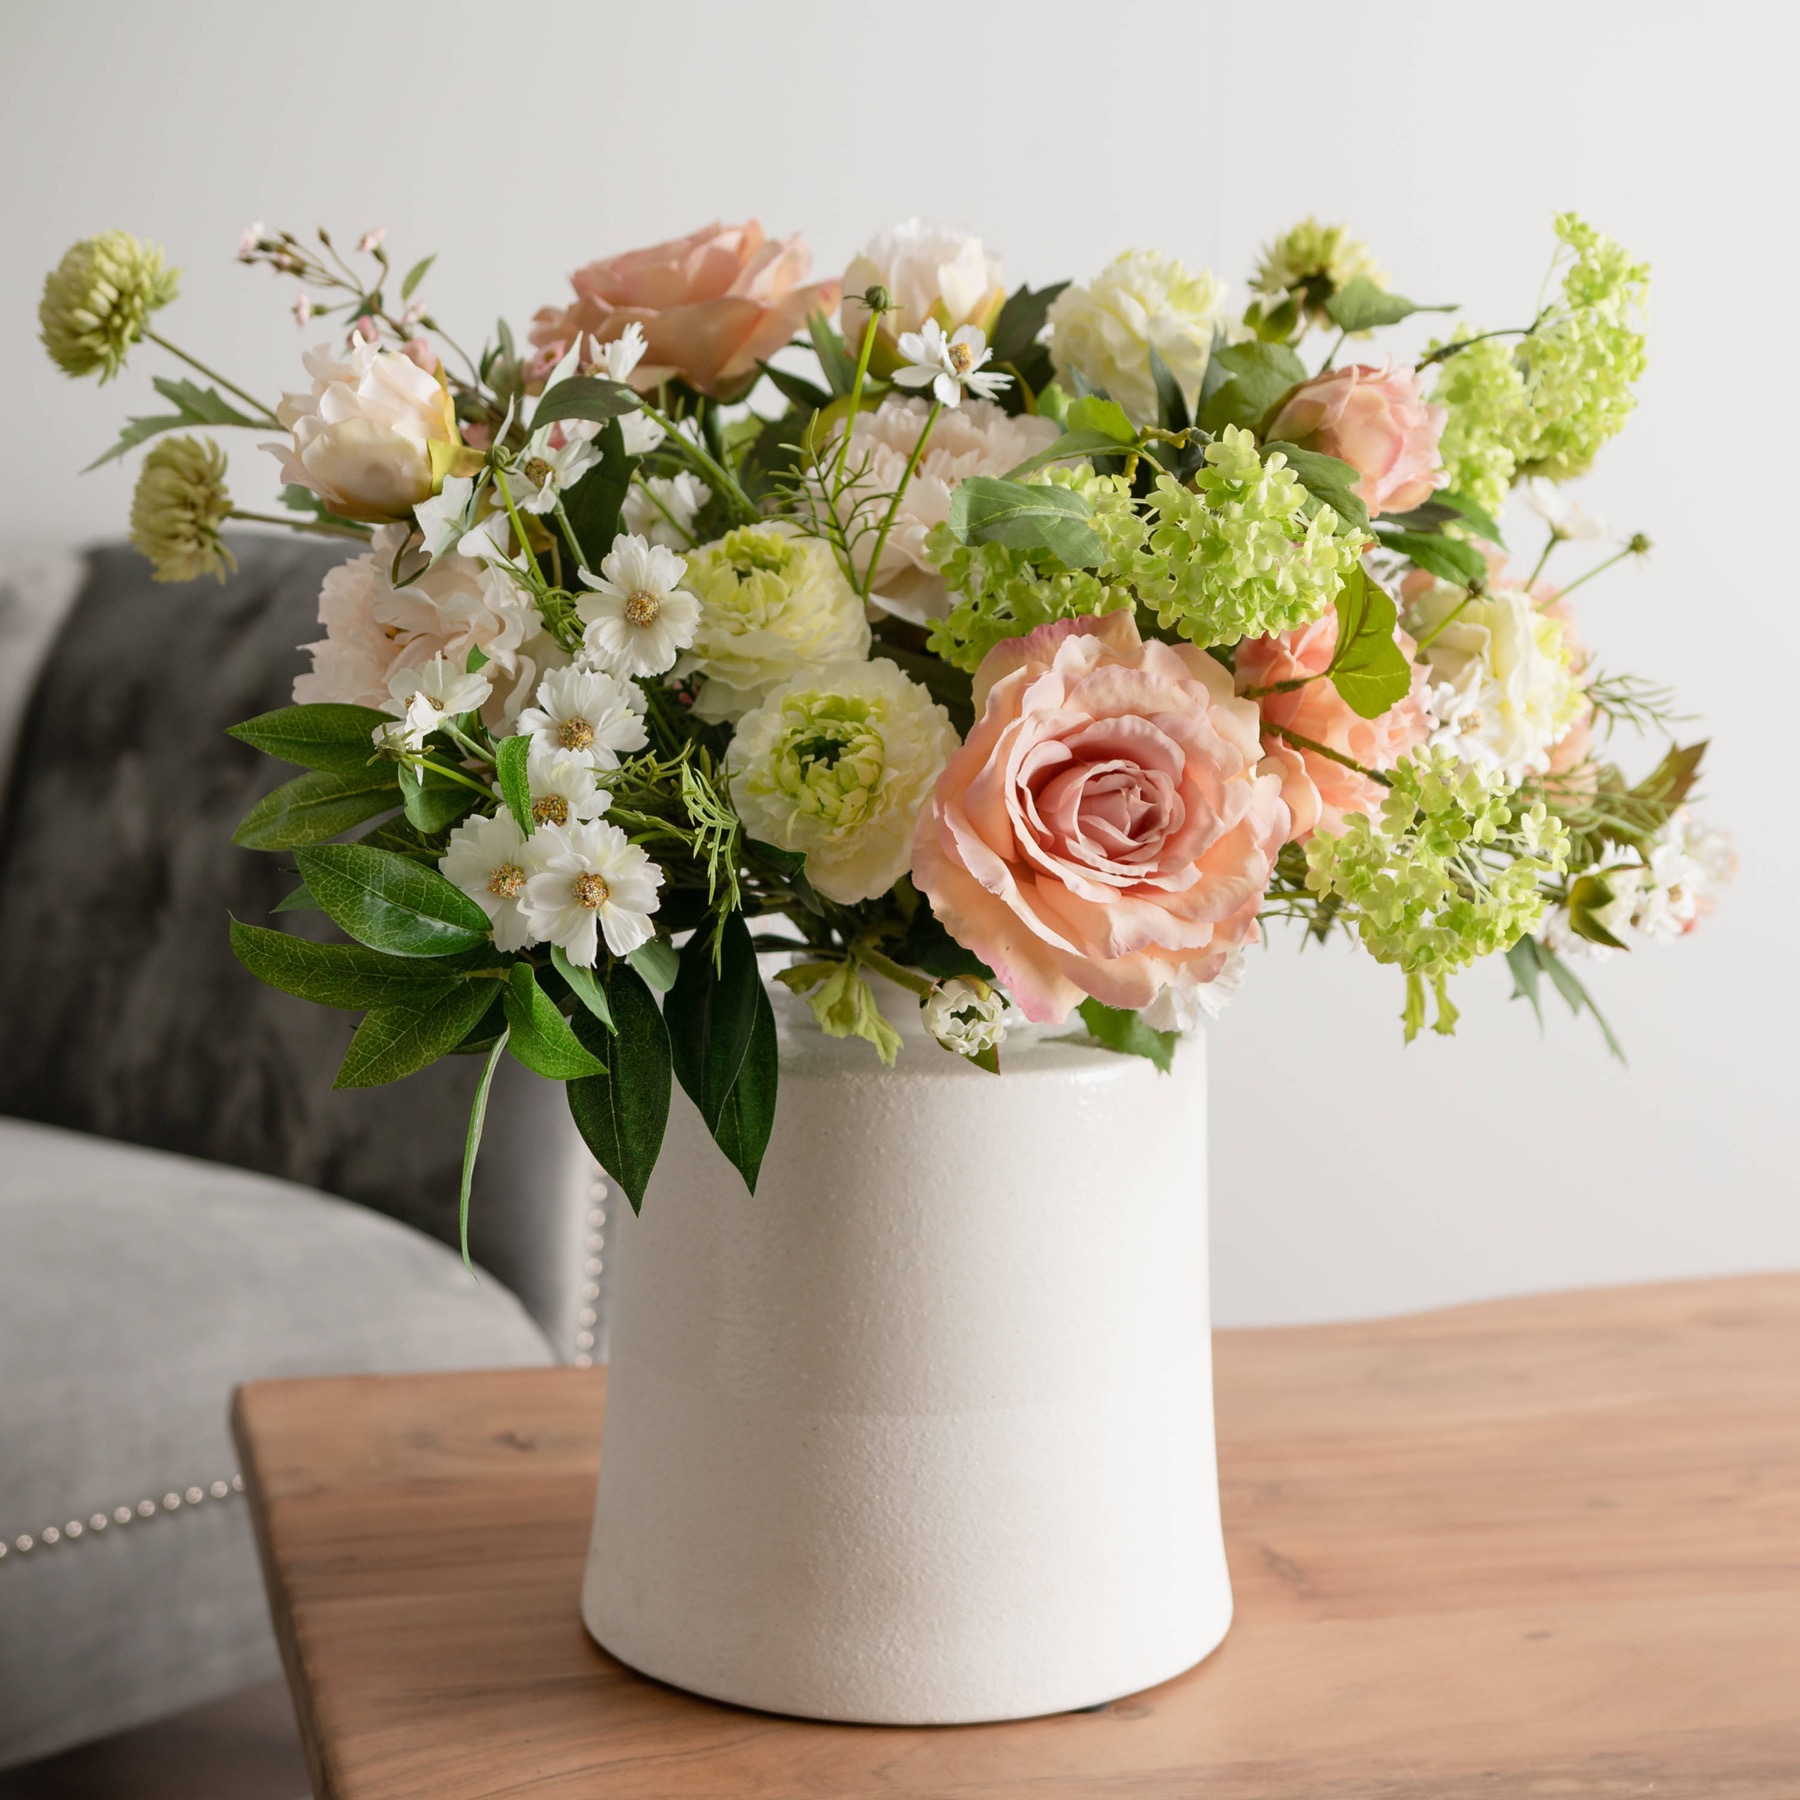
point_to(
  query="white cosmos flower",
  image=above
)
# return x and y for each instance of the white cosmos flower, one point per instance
(540, 475)
(966, 1017)
(491, 862)
(586, 714)
(426, 697)
(563, 789)
(1567, 518)
(661, 509)
(615, 361)
(947, 365)
(444, 521)
(590, 881)
(639, 618)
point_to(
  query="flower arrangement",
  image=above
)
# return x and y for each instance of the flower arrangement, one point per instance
(1031, 651)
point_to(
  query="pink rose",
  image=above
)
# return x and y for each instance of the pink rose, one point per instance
(711, 304)
(1375, 420)
(1320, 793)
(1105, 830)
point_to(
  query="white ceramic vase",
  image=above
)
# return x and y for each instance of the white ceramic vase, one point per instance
(921, 1432)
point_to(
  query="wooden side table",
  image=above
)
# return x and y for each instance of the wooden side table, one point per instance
(1536, 1547)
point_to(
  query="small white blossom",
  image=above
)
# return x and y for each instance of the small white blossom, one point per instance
(639, 618)
(586, 714)
(588, 882)
(371, 240)
(303, 308)
(948, 365)
(1567, 518)
(563, 789)
(490, 861)
(540, 475)
(444, 523)
(966, 1017)
(1182, 1008)
(426, 697)
(251, 241)
(661, 509)
(616, 361)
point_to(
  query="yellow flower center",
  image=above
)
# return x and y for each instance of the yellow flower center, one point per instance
(549, 809)
(591, 890)
(507, 882)
(537, 471)
(962, 358)
(575, 734)
(642, 607)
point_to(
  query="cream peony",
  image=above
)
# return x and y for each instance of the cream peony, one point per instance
(363, 436)
(772, 603)
(1505, 673)
(932, 272)
(976, 439)
(1102, 330)
(838, 764)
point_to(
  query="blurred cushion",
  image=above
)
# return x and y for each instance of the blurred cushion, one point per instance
(136, 1289)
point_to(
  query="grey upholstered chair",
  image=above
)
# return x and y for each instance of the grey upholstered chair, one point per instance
(176, 1173)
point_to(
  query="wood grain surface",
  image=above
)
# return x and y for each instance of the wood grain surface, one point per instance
(1529, 1548)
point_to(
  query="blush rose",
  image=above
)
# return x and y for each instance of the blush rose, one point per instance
(1376, 420)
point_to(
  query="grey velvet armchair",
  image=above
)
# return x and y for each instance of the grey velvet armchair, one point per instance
(184, 1202)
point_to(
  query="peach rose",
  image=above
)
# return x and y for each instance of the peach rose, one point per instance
(1375, 420)
(1320, 793)
(1105, 830)
(711, 304)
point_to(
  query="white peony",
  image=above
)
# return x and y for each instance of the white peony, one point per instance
(932, 272)
(1102, 330)
(837, 764)
(773, 602)
(363, 436)
(1504, 676)
(977, 439)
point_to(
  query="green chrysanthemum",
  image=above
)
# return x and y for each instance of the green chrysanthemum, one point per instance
(1309, 263)
(97, 299)
(179, 507)
(1239, 558)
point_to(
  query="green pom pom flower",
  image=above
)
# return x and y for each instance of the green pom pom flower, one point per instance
(1239, 558)
(97, 299)
(1308, 264)
(179, 507)
(1490, 419)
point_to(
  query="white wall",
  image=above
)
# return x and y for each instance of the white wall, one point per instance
(1350, 1175)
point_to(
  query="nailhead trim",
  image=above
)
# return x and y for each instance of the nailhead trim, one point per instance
(172, 1501)
(595, 1243)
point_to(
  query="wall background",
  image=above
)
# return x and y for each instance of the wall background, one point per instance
(1350, 1175)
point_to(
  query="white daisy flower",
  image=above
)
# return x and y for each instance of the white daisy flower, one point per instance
(491, 862)
(948, 365)
(661, 509)
(586, 714)
(426, 697)
(639, 618)
(563, 789)
(615, 361)
(590, 881)
(540, 476)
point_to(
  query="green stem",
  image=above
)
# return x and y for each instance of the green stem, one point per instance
(318, 527)
(1332, 354)
(1324, 750)
(518, 524)
(193, 362)
(1444, 624)
(1597, 569)
(675, 524)
(723, 481)
(468, 743)
(1555, 538)
(457, 775)
(887, 524)
(895, 972)
(1283, 687)
(1444, 352)
(856, 389)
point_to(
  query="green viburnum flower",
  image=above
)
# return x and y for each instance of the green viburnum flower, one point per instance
(1309, 263)
(1239, 558)
(97, 299)
(1450, 872)
(1006, 593)
(1490, 419)
(178, 508)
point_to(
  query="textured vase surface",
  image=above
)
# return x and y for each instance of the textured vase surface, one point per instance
(921, 1432)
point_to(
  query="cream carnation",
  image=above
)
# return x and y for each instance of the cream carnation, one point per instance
(931, 272)
(363, 437)
(838, 763)
(772, 603)
(1102, 330)
(975, 439)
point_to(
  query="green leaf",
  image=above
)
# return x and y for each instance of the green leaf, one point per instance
(395, 1041)
(336, 738)
(1364, 305)
(843, 1003)
(1021, 321)
(986, 510)
(1171, 403)
(796, 389)
(1327, 479)
(510, 760)
(193, 406)
(583, 984)
(1255, 376)
(1588, 895)
(593, 504)
(414, 276)
(1477, 515)
(1369, 670)
(748, 1115)
(541, 1037)
(390, 902)
(432, 801)
(1522, 959)
(1070, 445)
(472, 1141)
(1127, 1033)
(835, 357)
(344, 975)
(709, 1014)
(583, 397)
(1577, 996)
(657, 962)
(1449, 559)
(623, 1114)
(1672, 780)
(1093, 413)
(299, 900)
(316, 806)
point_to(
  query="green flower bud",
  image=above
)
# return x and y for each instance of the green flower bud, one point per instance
(97, 299)
(877, 299)
(179, 507)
